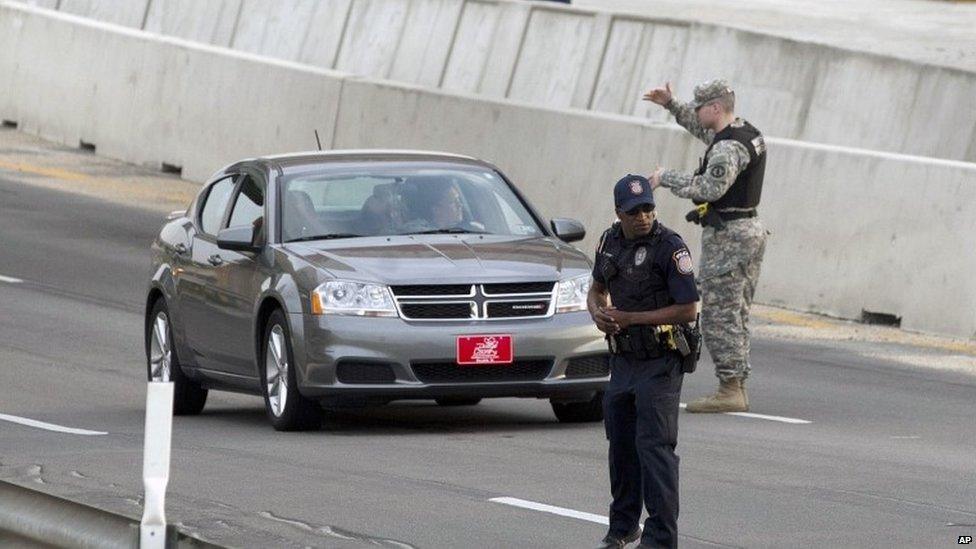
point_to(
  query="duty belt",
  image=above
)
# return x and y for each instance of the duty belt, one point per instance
(707, 216)
(641, 342)
(736, 214)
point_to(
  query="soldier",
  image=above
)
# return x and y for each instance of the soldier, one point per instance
(726, 189)
(647, 272)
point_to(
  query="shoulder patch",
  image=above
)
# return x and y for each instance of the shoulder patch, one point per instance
(759, 144)
(717, 172)
(682, 261)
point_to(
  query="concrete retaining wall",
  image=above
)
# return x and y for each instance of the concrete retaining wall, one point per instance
(157, 100)
(566, 57)
(210, 22)
(852, 230)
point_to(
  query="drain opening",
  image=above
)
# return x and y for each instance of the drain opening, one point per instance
(86, 146)
(171, 169)
(881, 319)
(9, 124)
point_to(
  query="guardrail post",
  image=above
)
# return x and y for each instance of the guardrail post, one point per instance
(155, 464)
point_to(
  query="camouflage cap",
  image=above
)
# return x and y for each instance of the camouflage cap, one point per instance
(709, 91)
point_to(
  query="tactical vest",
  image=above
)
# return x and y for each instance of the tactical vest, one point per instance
(747, 188)
(635, 287)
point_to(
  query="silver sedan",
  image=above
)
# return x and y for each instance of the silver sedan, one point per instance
(353, 278)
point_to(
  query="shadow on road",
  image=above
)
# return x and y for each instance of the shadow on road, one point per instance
(408, 418)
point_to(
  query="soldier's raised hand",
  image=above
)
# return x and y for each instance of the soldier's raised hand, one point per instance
(655, 178)
(661, 96)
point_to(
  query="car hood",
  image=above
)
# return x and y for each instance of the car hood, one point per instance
(444, 259)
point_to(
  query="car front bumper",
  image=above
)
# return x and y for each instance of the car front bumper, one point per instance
(327, 341)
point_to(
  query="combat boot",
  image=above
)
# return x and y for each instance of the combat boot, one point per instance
(731, 397)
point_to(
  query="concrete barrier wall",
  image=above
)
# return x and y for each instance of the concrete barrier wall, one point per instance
(852, 230)
(566, 57)
(156, 100)
(210, 22)
(129, 13)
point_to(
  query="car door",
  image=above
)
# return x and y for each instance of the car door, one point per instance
(239, 276)
(197, 284)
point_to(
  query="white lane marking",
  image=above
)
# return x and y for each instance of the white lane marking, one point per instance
(10, 279)
(561, 511)
(49, 426)
(781, 419)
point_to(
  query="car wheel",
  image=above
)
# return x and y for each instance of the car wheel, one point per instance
(162, 363)
(287, 409)
(457, 401)
(579, 412)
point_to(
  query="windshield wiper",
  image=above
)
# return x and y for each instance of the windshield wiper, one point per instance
(329, 236)
(453, 230)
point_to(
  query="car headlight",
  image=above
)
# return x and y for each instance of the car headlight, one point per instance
(343, 297)
(571, 294)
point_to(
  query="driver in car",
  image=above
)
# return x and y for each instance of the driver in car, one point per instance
(437, 206)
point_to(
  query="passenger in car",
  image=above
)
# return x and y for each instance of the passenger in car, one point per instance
(382, 213)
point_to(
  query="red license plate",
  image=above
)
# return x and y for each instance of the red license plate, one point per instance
(485, 349)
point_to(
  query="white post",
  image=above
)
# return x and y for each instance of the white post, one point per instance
(155, 463)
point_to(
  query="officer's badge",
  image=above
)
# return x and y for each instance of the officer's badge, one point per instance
(682, 261)
(717, 172)
(640, 256)
(635, 187)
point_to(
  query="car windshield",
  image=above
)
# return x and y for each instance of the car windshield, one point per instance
(396, 198)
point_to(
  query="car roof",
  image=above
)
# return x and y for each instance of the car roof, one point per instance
(289, 160)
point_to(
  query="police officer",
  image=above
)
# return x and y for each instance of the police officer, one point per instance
(647, 272)
(726, 188)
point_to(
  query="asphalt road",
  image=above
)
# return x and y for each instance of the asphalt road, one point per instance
(887, 459)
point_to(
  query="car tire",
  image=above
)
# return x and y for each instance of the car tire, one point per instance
(579, 412)
(287, 409)
(163, 364)
(457, 401)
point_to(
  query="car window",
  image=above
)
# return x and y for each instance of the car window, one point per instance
(249, 204)
(382, 199)
(215, 205)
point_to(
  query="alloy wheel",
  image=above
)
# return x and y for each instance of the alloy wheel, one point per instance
(276, 371)
(160, 353)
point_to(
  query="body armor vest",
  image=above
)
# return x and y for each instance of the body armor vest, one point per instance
(747, 188)
(632, 275)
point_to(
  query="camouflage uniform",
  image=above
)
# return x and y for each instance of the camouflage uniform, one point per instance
(731, 257)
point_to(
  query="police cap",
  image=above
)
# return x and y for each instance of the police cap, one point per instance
(632, 191)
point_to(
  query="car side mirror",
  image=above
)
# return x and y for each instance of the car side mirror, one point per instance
(568, 230)
(238, 239)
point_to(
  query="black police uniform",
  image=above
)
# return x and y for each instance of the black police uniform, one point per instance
(641, 400)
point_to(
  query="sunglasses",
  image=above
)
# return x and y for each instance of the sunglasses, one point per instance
(643, 208)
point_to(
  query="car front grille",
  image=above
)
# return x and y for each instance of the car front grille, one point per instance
(433, 289)
(519, 288)
(450, 372)
(437, 311)
(588, 366)
(495, 301)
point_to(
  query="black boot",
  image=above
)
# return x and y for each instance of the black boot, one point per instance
(613, 542)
